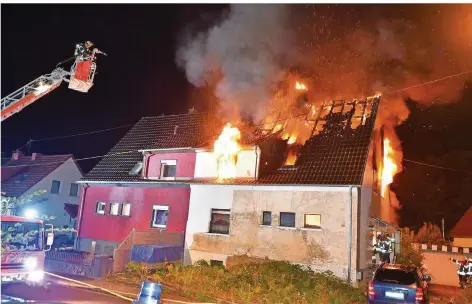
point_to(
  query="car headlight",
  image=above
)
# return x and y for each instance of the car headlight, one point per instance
(31, 263)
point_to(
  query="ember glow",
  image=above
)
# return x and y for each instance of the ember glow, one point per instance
(300, 86)
(389, 167)
(291, 158)
(226, 150)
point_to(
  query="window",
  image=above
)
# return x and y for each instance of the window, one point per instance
(136, 169)
(312, 221)
(287, 219)
(126, 209)
(216, 263)
(267, 218)
(74, 189)
(55, 186)
(168, 168)
(100, 208)
(219, 222)
(114, 208)
(159, 216)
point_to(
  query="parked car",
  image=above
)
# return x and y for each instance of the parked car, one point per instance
(398, 284)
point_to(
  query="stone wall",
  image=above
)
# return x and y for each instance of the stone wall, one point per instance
(322, 249)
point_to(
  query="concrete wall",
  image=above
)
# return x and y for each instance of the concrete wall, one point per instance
(323, 249)
(441, 269)
(53, 204)
(206, 164)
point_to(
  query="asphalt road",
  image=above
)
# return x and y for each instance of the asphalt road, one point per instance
(57, 293)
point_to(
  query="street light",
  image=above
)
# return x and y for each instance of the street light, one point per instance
(31, 213)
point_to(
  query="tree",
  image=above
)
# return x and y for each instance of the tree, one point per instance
(430, 234)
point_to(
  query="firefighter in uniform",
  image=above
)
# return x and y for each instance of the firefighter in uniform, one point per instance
(84, 50)
(463, 271)
(389, 243)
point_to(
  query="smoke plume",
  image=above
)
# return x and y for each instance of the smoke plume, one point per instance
(243, 57)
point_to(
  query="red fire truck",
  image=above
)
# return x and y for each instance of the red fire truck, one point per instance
(23, 249)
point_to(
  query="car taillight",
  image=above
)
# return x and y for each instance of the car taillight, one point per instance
(371, 291)
(419, 294)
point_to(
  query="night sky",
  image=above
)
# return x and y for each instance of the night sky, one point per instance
(140, 78)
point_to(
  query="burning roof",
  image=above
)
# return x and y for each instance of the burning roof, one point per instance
(334, 153)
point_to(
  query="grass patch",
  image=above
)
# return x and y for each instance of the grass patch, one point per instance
(269, 282)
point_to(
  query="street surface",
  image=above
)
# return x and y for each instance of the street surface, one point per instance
(58, 292)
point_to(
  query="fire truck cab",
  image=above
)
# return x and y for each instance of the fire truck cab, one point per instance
(23, 249)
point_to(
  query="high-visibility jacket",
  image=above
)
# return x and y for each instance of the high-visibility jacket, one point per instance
(463, 268)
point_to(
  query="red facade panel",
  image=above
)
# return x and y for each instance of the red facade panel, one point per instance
(116, 228)
(185, 163)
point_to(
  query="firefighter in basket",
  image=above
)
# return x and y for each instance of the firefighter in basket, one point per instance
(464, 272)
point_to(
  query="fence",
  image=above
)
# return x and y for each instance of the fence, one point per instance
(78, 263)
(122, 254)
(438, 265)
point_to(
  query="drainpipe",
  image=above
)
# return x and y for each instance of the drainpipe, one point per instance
(81, 208)
(349, 238)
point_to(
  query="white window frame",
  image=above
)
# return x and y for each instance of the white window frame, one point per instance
(117, 210)
(97, 211)
(162, 208)
(122, 207)
(172, 162)
(58, 188)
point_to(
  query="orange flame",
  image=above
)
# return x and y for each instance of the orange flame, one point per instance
(389, 167)
(300, 86)
(226, 150)
(291, 158)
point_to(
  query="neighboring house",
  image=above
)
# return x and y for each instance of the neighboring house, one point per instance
(462, 231)
(56, 174)
(163, 175)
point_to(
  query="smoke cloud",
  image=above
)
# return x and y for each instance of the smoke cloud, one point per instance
(243, 57)
(340, 52)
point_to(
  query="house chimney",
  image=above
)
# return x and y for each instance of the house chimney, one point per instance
(175, 130)
(35, 156)
(17, 155)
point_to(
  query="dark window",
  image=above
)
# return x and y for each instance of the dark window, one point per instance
(168, 168)
(287, 219)
(219, 222)
(74, 189)
(395, 276)
(55, 186)
(100, 208)
(312, 221)
(160, 214)
(216, 263)
(267, 218)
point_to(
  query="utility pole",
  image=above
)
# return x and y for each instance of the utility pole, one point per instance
(442, 226)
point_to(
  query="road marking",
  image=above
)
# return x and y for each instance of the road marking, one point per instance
(118, 293)
(89, 285)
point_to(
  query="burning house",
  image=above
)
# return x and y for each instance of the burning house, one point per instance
(306, 197)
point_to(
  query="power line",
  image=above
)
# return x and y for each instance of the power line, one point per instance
(80, 134)
(434, 166)
(77, 159)
(429, 82)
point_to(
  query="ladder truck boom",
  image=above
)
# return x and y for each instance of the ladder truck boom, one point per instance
(80, 78)
(31, 92)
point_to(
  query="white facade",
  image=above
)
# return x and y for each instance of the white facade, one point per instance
(322, 248)
(52, 204)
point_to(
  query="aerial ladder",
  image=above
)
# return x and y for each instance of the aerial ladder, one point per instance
(80, 78)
